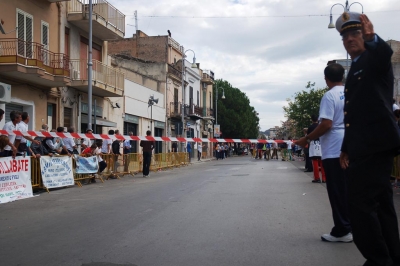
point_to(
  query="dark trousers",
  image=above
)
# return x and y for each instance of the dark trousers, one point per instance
(336, 185)
(146, 162)
(102, 166)
(372, 213)
(308, 162)
(198, 155)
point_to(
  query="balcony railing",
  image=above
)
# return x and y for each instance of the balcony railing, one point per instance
(175, 109)
(175, 44)
(210, 112)
(100, 8)
(106, 75)
(174, 71)
(193, 109)
(33, 54)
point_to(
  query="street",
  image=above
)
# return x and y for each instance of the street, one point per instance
(237, 211)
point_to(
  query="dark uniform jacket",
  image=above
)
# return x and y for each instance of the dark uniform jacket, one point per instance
(370, 126)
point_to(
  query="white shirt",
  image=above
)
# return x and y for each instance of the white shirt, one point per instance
(127, 144)
(289, 145)
(97, 151)
(87, 142)
(22, 126)
(104, 147)
(395, 107)
(199, 147)
(69, 143)
(9, 126)
(331, 108)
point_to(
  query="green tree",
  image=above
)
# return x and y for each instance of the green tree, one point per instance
(235, 115)
(304, 104)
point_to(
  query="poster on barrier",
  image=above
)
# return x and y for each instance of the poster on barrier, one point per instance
(86, 165)
(56, 171)
(15, 179)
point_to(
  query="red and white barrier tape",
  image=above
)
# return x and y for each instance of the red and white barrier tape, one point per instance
(122, 137)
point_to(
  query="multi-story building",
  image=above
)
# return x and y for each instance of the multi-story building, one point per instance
(33, 63)
(160, 58)
(45, 61)
(137, 114)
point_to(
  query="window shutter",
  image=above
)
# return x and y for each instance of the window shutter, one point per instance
(29, 37)
(21, 34)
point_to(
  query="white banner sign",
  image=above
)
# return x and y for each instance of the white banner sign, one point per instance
(86, 165)
(15, 179)
(56, 171)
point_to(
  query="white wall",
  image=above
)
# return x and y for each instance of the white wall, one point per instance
(136, 101)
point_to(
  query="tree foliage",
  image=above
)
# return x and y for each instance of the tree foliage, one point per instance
(304, 104)
(236, 117)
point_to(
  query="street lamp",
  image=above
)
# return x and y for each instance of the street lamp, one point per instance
(216, 104)
(332, 26)
(183, 90)
(151, 102)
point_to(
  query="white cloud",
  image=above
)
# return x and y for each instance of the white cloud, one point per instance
(269, 58)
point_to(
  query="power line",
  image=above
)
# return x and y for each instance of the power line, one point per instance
(271, 16)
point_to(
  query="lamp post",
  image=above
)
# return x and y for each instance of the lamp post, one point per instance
(151, 102)
(216, 103)
(332, 26)
(183, 90)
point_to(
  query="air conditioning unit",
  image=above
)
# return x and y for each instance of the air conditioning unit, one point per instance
(5, 93)
(76, 74)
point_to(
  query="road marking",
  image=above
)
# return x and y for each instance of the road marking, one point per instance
(235, 168)
(212, 169)
(281, 168)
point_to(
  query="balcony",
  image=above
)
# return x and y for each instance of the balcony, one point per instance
(207, 79)
(175, 110)
(174, 44)
(31, 62)
(174, 73)
(108, 22)
(106, 80)
(209, 114)
(193, 111)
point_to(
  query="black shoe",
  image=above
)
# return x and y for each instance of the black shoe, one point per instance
(316, 181)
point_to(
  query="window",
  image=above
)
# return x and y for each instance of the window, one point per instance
(25, 33)
(190, 96)
(198, 98)
(66, 41)
(45, 42)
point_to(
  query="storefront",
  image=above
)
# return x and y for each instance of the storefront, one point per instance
(131, 124)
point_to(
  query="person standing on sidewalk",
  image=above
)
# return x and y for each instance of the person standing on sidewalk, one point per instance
(199, 150)
(148, 146)
(315, 152)
(370, 140)
(331, 131)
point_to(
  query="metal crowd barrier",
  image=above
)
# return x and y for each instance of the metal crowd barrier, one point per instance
(118, 166)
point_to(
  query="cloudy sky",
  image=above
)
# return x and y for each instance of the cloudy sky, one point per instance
(269, 49)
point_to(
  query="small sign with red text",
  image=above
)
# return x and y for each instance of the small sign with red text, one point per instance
(15, 179)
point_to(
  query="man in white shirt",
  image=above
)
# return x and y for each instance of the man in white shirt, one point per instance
(86, 142)
(330, 131)
(10, 149)
(106, 147)
(69, 142)
(23, 126)
(199, 150)
(395, 106)
(127, 144)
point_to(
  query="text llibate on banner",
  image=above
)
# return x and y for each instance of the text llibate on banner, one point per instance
(15, 179)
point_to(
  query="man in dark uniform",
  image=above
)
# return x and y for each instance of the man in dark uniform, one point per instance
(368, 165)
(148, 146)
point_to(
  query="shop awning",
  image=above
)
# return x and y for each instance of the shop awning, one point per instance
(99, 121)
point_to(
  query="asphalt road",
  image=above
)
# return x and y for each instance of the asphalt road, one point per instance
(238, 211)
